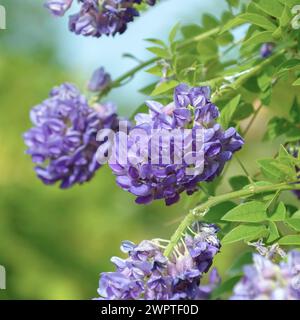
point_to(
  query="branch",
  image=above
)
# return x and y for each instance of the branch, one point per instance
(200, 211)
(131, 73)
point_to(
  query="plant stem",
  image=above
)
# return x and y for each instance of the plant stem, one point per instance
(200, 210)
(199, 37)
(244, 169)
(252, 119)
(243, 78)
(132, 72)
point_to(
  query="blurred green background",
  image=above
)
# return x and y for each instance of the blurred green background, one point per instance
(54, 243)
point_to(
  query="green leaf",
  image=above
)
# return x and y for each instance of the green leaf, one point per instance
(273, 232)
(277, 170)
(294, 223)
(157, 42)
(251, 85)
(264, 81)
(209, 21)
(191, 30)
(282, 153)
(164, 87)
(295, 111)
(276, 127)
(160, 52)
(258, 184)
(245, 232)
(272, 8)
(155, 70)
(296, 214)
(243, 111)
(173, 33)
(207, 48)
(253, 211)
(291, 240)
(297, 82)
(258, 38)
(277, 34)
(285, 157)
(289, 3)
(232, 24)
(291, 64)
(215, 213)
(225, 39)
(258, 20)
(233, 3)
(238, 182)
(286, 17)
(293, 134)
(225, 287)
(272, 205)
(228, 111)
(279, 214)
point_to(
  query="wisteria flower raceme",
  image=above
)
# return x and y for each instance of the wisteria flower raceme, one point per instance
(62, 142)
(97, 18)
(266, 280)
(147, 175)
(146, 274)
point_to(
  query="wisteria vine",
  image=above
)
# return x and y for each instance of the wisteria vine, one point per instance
(201, 98)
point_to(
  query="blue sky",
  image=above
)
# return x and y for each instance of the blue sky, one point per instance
(85, 54)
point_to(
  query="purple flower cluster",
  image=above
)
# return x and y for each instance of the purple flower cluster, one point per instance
(148, 176)
(148, 275)
(96, 18)
(63, 140)
(265, 280)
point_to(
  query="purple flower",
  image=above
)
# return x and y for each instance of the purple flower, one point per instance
(266, 49)
(62, 142)
(204, 246)
(58, 7)
(100, 81)
(96, 18)
(196, 259)
(164, 160)
(265, 280)
(148, 275)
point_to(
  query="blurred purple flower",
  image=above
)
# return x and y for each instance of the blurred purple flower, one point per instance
(100, 81)
(63, 140)
(266, 49)
(265, 280)
(58, 7)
